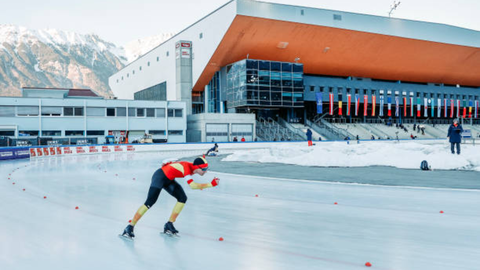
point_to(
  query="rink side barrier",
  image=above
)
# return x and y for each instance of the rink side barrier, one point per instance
(198, 148)
(14, 153)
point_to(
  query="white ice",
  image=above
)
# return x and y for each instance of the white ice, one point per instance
(290, 225)
(406, 155)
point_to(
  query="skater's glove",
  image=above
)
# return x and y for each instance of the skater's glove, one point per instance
(215, 181)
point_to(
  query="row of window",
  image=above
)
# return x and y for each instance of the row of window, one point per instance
(57, 133)
(140, 68)
(325, 89)
(9, 111)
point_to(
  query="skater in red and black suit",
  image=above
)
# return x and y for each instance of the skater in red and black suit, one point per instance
(164, 178)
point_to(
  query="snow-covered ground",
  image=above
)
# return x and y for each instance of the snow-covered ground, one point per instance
(407, 155)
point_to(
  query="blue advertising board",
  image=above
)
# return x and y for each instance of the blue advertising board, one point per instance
(14, 153)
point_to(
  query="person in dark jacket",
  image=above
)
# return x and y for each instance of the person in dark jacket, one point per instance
(309, 137)
(455, 135)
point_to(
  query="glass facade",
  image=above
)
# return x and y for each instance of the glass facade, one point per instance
(258, 83)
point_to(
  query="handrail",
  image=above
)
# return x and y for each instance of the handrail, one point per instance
(297, 132)
(341, 131)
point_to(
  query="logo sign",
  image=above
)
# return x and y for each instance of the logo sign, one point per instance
(67, 150)
(45, 151)
(59, 150)
(130, 148)
(186, 45)
(52, 151)
(118, 148)
(6, 154)
(39, 152)
(80, 150)
(93, 149)
(122, 133)
(185, 53)
(105, 149)
(32, 152)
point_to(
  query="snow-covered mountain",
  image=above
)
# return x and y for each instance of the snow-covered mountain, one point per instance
(54, 58)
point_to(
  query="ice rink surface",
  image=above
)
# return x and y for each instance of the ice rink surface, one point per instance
(292, 224)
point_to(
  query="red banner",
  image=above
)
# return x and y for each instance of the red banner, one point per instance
(92, 149)
(67, 151)
(130, 148)
(52, 151)
(405, 107)
(118, 148)
(105, 149)
(80, 150)
(45, 151)
(32, 152)
(365, 105)
(59, 150)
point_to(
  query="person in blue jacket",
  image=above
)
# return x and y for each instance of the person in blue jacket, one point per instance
(309, 137)
(455, 134)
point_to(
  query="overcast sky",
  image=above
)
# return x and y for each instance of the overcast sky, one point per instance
(121, 21)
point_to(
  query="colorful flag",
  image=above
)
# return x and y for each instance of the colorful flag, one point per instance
(452, 106)
(470, 104)
(432, 106)
(464, 108)
(419, 106)
(356, 104)
(340, 106)
(404, 106)
(439, 107)
(365, 105)
(389, 101)
(349, 102)
(458, 108)
(374, 104)
(397, 107)
(319, 103)
(425, 107)
(445, 108)
(382, 103)
(331, 103)
(411, 106)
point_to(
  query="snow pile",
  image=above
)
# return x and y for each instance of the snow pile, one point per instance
(406, 155)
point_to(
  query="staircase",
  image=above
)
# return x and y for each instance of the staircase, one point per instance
(270, 130)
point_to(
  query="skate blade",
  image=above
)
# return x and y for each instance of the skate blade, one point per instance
(126, 237)
(170, 234)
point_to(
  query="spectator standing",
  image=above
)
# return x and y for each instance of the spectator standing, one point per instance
(455, 134)
(309, 137)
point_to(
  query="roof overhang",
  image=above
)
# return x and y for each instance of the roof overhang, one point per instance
(341, 52)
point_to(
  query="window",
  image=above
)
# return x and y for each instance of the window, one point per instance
(158, 58)
(74, 133)
(51, 133)
(95, 132)
(157, 132)
(201, 35)
(175, 132)
(27, 111)
(140, 112)
(337, 17)
(160, 113)
(95, 111)
(321, 89)
(302, 12)
(7, 132)
(121, 111)
(131, 112)
(133, 72)
(150, 112)
(28, 133)
(52, 111)
(122, 78)
(128, 75)
(140, 68)
(148, 64)
(110, 111)
(72, 111)
(117, 80)
(175, 112)
(168, 53)
(312, 88)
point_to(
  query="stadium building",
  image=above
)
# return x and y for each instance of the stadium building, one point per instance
(256, 69)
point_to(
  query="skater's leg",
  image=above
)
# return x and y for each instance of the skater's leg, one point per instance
(152, 197)
(176, 191)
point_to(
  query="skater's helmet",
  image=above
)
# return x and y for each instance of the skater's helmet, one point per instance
(200, 163)
(424, 166)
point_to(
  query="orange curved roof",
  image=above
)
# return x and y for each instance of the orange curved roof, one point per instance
(340, 52)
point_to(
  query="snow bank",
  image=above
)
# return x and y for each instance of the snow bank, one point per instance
(406, 155)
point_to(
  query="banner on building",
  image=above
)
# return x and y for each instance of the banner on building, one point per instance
(419, 106)
(439, 107)
(356, 104)
(331, 104)
(340, 112)
(432, 106)
(458, 108)
(382, 103)
(411, 106)
(374, 104)
(319, 103)
(365, 105)
(349, 103)
(476, 108)
(389, 106)
(397, 107)
(452, 104)
(464, 108)
(425, 107)
(404, 107)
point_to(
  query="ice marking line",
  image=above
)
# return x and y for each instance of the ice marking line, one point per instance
(342, 183)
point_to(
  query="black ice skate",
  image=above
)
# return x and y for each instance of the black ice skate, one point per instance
(169, 229)
(128, 232)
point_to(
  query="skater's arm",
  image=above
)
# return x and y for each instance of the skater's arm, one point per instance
(195, 185)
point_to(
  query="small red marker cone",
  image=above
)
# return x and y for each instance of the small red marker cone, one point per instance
(13, 183)
(220, 239)
(129, 221)
(23, 189)
(335, 203)
(367, 264)
(44, 197)
(76, 207)
(441, 212)
(116, 174)
(256, 195)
